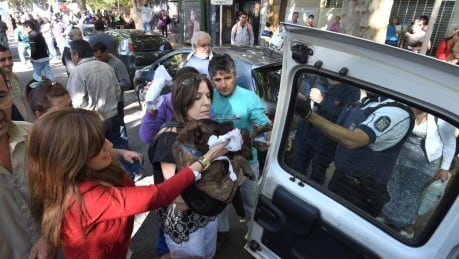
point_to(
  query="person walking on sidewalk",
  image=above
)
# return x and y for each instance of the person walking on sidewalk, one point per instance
(147, 15)
(242, 31)
(21, 36)
(3, 36)
(39, 51)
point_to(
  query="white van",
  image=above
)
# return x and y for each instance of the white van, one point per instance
(410, 213)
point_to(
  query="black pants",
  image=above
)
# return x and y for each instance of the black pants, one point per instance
(164, 30)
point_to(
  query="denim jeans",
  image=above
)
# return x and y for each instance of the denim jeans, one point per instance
(22, 47)
(39, 67)
(146, 26)
(248, 191)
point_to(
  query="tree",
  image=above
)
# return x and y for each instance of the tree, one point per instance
(366, 18)
(81, 5)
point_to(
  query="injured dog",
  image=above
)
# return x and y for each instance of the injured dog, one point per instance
(210, 195)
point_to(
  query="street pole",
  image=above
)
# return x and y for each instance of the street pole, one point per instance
(430, 26)
(221, 24)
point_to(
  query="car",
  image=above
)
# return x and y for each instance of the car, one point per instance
(138, 49)
(87, 30)
(297, 217)
(258, 69)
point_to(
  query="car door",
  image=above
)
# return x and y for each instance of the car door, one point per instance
(298, 215)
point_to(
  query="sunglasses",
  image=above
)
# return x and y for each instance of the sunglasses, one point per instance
(193, 78)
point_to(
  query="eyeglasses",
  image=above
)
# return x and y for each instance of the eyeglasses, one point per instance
(10, 58)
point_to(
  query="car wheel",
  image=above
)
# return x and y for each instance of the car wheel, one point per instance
(139, 91)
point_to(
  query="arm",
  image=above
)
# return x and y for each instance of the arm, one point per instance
(153, 119)
(42, 249)
(442, 50)
(350, 139)
(257, 112)
(233, 35)
(104, 203)
(123, 77)
(77, 90)
(33, 44)
(447, 136)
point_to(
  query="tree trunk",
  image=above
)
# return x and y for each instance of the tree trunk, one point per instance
(367, 18)
(135, 13)
(81, 5)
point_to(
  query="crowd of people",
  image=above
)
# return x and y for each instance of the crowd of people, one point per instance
(412, 39)
(66, 208)
(83, 205)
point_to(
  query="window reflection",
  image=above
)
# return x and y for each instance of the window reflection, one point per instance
(387, 159)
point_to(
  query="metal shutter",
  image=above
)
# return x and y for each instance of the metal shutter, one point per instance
(408, 10)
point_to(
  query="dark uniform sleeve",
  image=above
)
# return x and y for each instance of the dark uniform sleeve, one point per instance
(160, 150)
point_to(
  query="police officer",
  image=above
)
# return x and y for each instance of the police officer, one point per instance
(328, 97)
(369, 136)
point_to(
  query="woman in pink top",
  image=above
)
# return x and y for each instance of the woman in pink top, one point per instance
(336, 25)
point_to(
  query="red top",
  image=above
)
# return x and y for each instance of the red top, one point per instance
(106, 230)
(443, 49)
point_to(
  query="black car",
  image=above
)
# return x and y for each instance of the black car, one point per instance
(258, 69)
(137, 49)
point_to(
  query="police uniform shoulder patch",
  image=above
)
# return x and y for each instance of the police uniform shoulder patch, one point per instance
(382, 123)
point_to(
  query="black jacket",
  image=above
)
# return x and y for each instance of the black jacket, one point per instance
(38, 47)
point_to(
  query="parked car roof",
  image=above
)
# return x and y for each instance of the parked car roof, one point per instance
(137, 49)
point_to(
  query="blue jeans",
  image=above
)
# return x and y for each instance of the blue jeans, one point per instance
(22, 47)
(39, 67)
(146, 26)
(248, 192)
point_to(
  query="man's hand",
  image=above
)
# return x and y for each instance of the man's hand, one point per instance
(315, 95)
(303, 107)
(153, 91)
(42, 250)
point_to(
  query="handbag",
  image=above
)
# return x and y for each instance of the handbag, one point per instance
(432, 195)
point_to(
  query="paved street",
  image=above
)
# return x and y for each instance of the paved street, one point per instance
(143, 242)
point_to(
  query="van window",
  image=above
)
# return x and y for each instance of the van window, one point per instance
(395, 164)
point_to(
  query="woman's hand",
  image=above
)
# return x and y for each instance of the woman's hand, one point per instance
(42, 250)
(443, 175)
(179, 204)
(217, 151)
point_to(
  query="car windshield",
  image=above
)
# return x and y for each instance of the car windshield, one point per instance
(88, 30)
(267, 82)
(149, 43)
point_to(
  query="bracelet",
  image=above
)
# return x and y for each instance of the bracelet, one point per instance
(205, 163)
